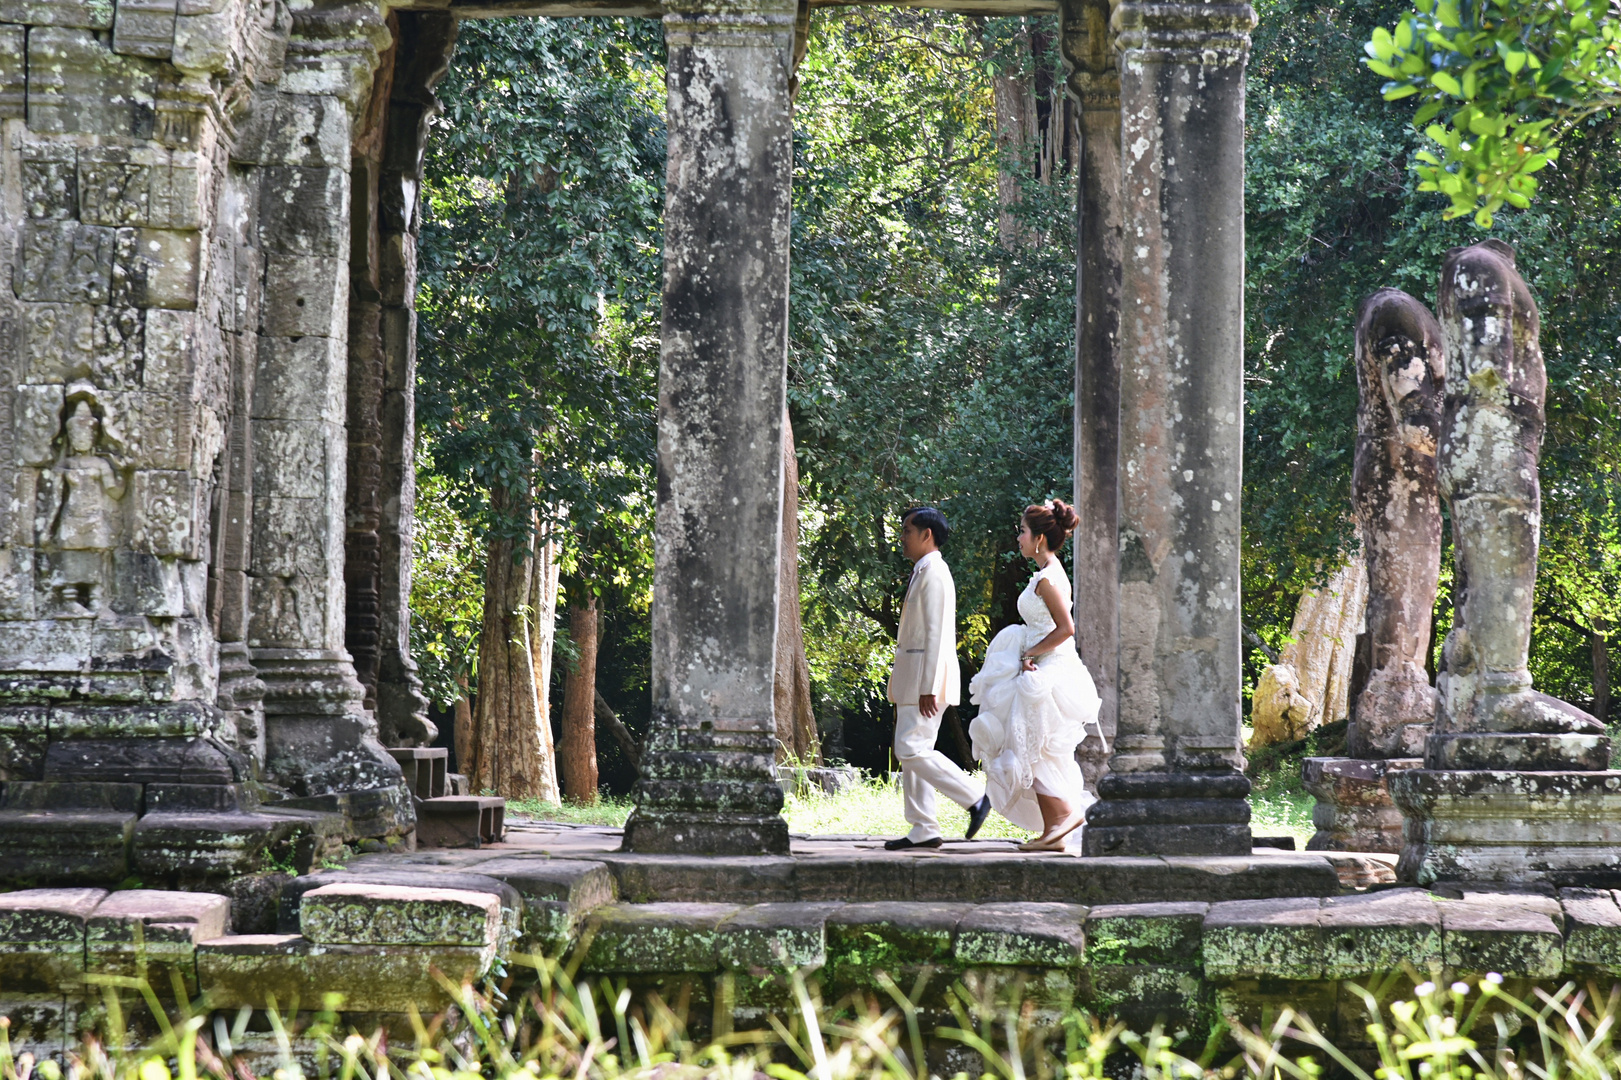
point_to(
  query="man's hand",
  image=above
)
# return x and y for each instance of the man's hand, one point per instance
(927, 705)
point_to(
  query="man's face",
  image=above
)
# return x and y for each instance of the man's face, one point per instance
(915, 542)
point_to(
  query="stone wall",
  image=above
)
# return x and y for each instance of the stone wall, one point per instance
(200, 410)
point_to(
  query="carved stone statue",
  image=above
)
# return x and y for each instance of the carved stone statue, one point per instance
(1514, 784)
(1401, 376)
(1490, 447)
(1400, 369)
(83, 531)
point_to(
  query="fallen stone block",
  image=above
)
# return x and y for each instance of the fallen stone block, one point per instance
(1379, 932)
(1592, 928)
(56, 916)
(1273, 939)
(1028, 934)
(763, 938)
(653, 938)
(158, 915)
(556, 896)
(290, 972)
(367, 914)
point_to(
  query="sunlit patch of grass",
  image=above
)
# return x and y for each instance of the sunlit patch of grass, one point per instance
(607, 810)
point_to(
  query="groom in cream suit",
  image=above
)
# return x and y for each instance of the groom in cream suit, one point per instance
(924, 681)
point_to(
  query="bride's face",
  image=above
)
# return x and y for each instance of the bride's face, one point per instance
(1029, 546)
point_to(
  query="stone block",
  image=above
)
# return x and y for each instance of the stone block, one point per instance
(137, 760)
(68, 342)
(296, 459)
(287, 971)
(361, 914)
(37, 417)
(13, 72)
(399, 332)
(76, 85)
(78, 795)
(54, 916)
(398, 277)
(557, 894)
(158, 267)
(50, 189)
(1270, 939)
(674, 878)
(157, 430)
(65, 261)
(1146, 934)
(305, 297)
(144, 28)
(511, 901)
(982, 879)
(140, 186)
(1145, 994)
(91, 14)
(158, 916)
(298, 379)
(40, 967)
(45, 1025)
(294, 129)
(24, 731)
(653, 938)
(840, 877)
(775, 937)
(892, 935)
(150, 585)
(202, 41)
(1257, 1003)
(200, 845)
(1592, 928)
(1507, 934)
(1028, 934)
(304, 211)
(1379, 932)
(43, 847)
(167, 508)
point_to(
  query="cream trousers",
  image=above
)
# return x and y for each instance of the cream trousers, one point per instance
(924, 770)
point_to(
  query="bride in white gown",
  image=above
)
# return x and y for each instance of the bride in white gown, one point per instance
(1036, 697)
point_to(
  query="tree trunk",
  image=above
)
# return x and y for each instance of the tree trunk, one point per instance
(579, 705)
(505, 754)
(462, 731)
(1601, 675)
(542, 639)
(790, 692)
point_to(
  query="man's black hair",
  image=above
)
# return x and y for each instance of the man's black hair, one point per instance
(927, 517)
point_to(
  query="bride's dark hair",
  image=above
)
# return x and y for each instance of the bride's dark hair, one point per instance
(1055, 521)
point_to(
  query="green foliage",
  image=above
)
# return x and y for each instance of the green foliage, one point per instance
(447, 590)
(540, 270)
(1498, 84)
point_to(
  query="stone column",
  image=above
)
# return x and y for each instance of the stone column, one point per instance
(1094, 83)
(1175, 785)
(709, 785)
(1401, 374)
(321, 743)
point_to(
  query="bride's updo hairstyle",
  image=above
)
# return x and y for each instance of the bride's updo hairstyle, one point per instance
(1055, 521)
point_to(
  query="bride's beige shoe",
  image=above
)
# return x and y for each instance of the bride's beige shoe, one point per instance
(1054, 841)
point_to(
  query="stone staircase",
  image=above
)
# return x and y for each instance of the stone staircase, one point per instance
(446, 820)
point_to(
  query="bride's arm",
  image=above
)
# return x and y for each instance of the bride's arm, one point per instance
(1062, 631)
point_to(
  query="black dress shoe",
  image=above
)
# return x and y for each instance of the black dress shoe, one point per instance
(977, 815)
(905, 843)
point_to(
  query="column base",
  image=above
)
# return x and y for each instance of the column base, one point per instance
(1169, 814)
(708, 791)
(1563, 828)
(1354, 811)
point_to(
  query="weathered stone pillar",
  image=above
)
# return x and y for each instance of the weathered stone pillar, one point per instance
(709, 784)
(1515, 784)
(1401, 375)
(320, 740)
(1175, 785)
(1094, 83)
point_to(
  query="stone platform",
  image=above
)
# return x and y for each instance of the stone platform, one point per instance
(723, 937)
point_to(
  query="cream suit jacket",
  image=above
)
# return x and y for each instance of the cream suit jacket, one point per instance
(926, 645)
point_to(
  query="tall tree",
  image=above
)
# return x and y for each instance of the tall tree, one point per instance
(540, 275)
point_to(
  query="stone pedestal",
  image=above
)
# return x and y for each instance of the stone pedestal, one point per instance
(1175, 785)
(1354, 810)
(1560, 827)
(1094, 83)
(709, 779)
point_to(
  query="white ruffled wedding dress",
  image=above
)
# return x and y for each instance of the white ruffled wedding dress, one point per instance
(1030, 722)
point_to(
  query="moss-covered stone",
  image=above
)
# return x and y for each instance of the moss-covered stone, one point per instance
(1031, 935)
(353, 913)
(1164, 934)
(1506, 935)
(764, 938)
(288, 971)
(1265, 939)
(1592, 929)
(1379, 932)
(653, 938)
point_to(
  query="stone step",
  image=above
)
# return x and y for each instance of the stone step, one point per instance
(460, 821)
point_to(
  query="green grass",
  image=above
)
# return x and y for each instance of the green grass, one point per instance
(1279, 802)
(1279, 807)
